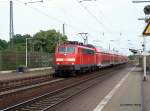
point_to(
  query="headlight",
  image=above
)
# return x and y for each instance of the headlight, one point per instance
(59, 59)
(71, 59)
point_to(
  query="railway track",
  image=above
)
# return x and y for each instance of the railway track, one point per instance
(22, 82)
(23, 88)
(52, 99)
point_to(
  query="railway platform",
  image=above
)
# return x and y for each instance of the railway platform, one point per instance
(129, 93)
(132, 94)
(125, 90)
(13, 75)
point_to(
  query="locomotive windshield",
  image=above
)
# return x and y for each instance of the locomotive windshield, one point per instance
(66, 49)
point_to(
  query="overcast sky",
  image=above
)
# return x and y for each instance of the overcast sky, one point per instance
(117, 19)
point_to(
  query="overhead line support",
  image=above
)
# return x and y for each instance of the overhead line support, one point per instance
(85, 37)
(11, 27)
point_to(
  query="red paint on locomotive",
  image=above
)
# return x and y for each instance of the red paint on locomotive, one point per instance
(74, 56)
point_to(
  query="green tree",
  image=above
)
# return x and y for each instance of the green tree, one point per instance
(3, 44)
(46, 41)
(18, 38)
(131, 57)
(19, 41)
(43, 41)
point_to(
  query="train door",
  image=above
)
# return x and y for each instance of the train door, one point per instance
(95, 57)
(111, 59)
(80, 52)
(103, 58)
(99, 59)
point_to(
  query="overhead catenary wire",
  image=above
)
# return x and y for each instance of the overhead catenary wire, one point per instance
(68, 15)
(103, 33)
(41, 12)
(108, 23)
(55, 19)
(51, 17)
(62, 22)
(102, 14)
(61, 9)
(92, 15)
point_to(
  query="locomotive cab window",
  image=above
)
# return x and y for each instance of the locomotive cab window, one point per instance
(70, 49)
(61, 49)
(66, 50)
(88, 51)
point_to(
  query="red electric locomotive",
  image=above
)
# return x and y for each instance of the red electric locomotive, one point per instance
(72, 57)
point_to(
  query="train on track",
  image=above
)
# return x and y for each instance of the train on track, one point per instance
(73, 57)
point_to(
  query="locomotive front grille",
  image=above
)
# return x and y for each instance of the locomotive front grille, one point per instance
(65, 67)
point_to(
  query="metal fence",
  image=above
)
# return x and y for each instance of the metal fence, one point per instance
(10, 60)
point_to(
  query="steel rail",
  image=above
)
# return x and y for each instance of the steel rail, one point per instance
(46, 104)
(13, 84)
(30, 87)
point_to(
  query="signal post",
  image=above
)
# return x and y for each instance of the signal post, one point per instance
(146, 33)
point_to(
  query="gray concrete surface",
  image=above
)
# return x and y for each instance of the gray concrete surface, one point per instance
(88, 100)
(15, 75)
(146, 87)
(29, 70)
(128, 97)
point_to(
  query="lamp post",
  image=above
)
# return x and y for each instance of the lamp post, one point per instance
(110, 41)
(27, 51)
(111, 57)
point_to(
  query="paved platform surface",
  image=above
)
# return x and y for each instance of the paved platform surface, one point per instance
(146, 93)
(125, 91)
(32, 73)
(89, 99)
(128, 97)
(121, 92)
